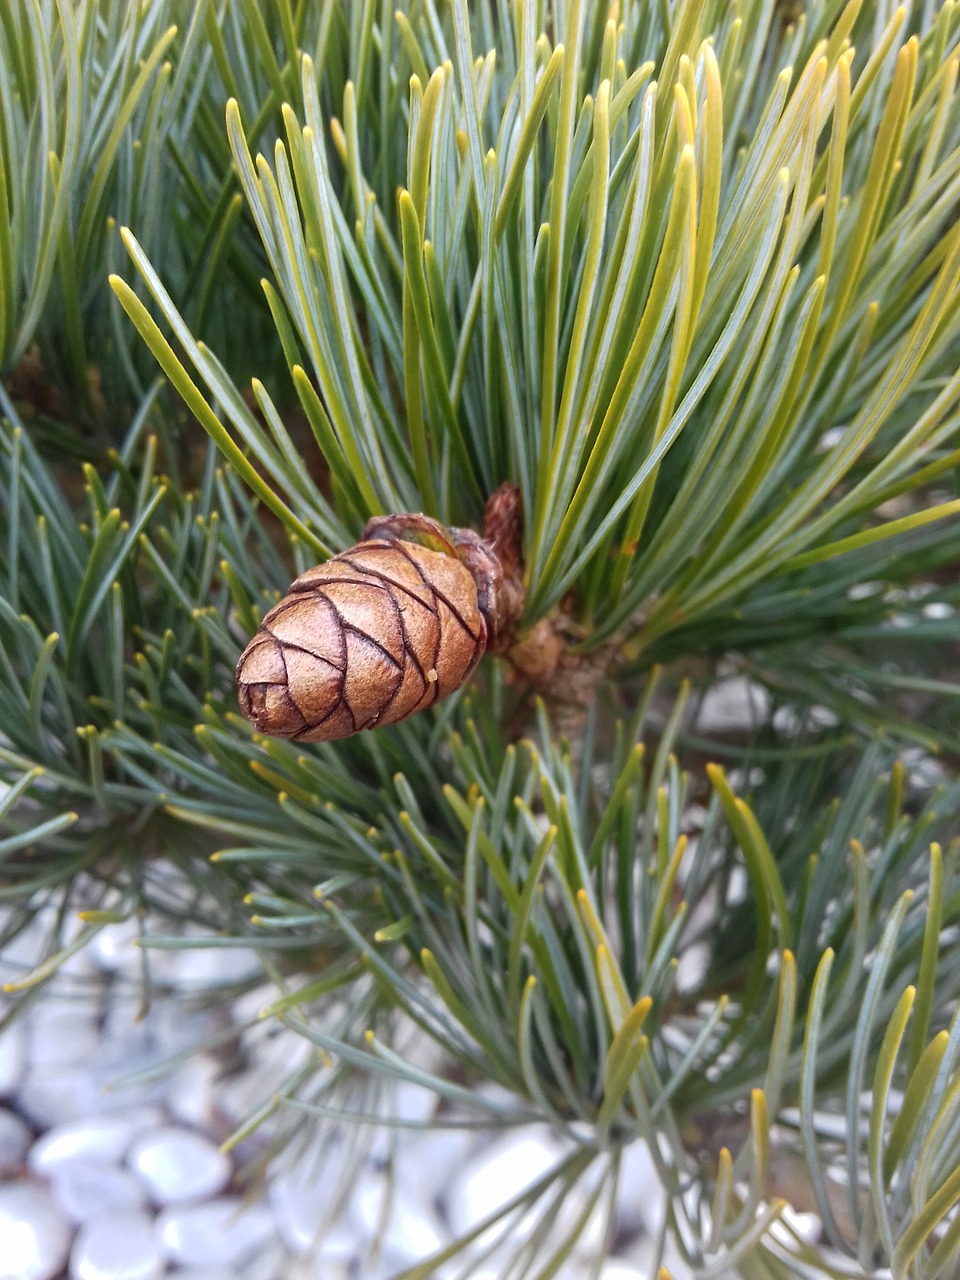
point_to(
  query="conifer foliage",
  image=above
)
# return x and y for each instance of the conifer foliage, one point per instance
(688, 276)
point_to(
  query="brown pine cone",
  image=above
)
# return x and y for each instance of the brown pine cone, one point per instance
(377, 633)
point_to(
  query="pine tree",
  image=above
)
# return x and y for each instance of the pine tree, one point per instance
(684, 274)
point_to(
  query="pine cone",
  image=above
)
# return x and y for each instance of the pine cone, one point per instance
(377, 633)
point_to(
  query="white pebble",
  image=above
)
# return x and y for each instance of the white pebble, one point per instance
(300, 1203)
(61, 1033)
(213, 966)
(34, 1234)
(190, 1091)
(411, 1231)
(27, 947)
(177, 1165)
(12, 1057)
(274, 1056)
(14, 1141)
(729, 705)
(175, 1027)
(336, 1244)
(116, 1246)
(113, 948)
(104, 1139)
(307, 1194)
(84, 1189)
(805, 1225)
(58, 1095)
(116, 1074)
(592, 1240)
(78, 965)
(206, 1273)
(490, 1270)
(220, 1231)
(641, 1200)
(411, 1103)
(324, 1270)
(498, 1173)
(428, 1162)
(123, 1020)
(414, 1233)
(249, 1005)
(642, 1254)
(384, 1266)
(269, 1263)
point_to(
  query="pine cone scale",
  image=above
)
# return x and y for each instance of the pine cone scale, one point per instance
(314, 684)
(445, 574)
(414, 691)
(339, 723)
(264, 661)
(310, 623)
(365, 607)
(412, 586)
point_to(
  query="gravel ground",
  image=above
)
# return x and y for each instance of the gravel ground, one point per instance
(106, 1180)
(101, 1180)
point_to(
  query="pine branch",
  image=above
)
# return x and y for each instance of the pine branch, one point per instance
(688, 277)
(782, 375)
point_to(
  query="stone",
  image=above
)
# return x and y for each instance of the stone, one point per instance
(104, 1139)
(117, 1246)
(12, 1057)
(28, 946)
(190, 1091)
(644, 1257)
(402, 1223)
(113, 948)
(14, 1141)
(247, 1008)
(78, 966)
(498, 1173)
(380, 1266)
(592, 1241)
(274, 1055)
(692, 967)
(492, 1268)
(200, 967)
(806, 1226)
(58, 1095)
(176, 1165)
(428, 1162)
(124, 1027)
(402, 1105)
(34, 1234)
(178, 1026)
(641, 1201)
(61, 1033)
(131, 1045)
(735, 704)
(268, 1264)
(411, 1103)
(308, 1193)
(84, 1189)
(414, 1232)
(336, 1244)
(299, 1204)
(318, 1269)
(205, 1273)
(641, 1254)
(220, 1232)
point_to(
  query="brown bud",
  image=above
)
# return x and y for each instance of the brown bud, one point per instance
(377, 633)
